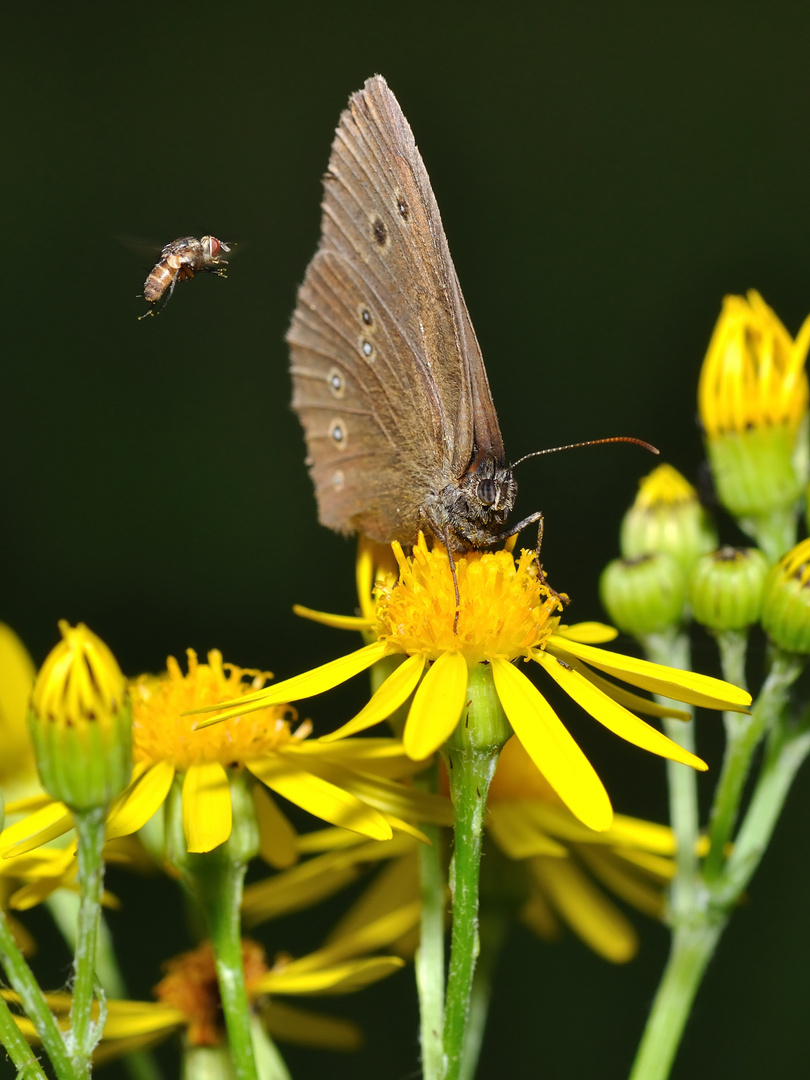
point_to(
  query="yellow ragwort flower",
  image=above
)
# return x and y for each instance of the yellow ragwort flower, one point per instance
(506, 614)
(17, 765)
(80, 722)
(189, 1001)
(347, 784)
(752, 400)
(753, 375)
(667, 517)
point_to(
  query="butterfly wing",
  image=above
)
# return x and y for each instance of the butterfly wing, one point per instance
(388, 379)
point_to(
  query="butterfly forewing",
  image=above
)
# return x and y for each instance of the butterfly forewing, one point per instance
(381, 306)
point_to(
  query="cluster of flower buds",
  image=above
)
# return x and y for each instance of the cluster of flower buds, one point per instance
(753, 404)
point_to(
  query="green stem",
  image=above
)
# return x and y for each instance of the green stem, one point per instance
(471, 756)
(63, 906)
(692, 948)
(699, 927)
(220, 893)
(430, 954)
(673, 650)
(785, 754)
(33, 1004)
(17, 1048)
(84, 1032)
(216, 880)
(743, 734)
(774, 532)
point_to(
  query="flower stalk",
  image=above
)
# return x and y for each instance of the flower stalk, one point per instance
(216, 880)
(85, 1033)
(430, 954)
(672, 648)
(35, 1008)
(22, 1056)
(470, 756)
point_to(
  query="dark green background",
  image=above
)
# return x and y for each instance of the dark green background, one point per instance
(606, 172)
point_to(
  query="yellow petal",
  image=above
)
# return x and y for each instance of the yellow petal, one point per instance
(551, 747)
(382, 757)
(278, 839)
(29, 803)
(643, 835)
(300, 1026)
(641, 892)
(207, 813)
(366, 938)
(295, 889)
(308, 684)
(586, 910)
(396, 690)
(395, 886)
(387, 796)
(589, 633)
(670, 682)
(437, 706)
(614, 717)
(340, 979)
(39, 828)
(128, 1018)
(630, 701)
(339, 622)
(516, 832)
(321, 798)
(146, 793)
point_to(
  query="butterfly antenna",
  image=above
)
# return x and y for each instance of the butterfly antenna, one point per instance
(589, 442)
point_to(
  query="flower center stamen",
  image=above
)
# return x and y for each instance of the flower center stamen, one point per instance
(505, 610)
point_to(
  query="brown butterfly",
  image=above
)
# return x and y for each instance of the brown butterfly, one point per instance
(388, 378)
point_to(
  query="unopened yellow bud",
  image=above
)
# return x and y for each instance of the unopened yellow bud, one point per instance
(80, 721)
(667, 517)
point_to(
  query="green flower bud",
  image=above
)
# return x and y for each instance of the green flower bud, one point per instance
(786, 601)
(667, 517)
(726, 588)
(752, 401)
(81, 722)
(644, 596)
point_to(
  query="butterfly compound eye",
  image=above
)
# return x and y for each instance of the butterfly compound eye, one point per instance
(487, 492)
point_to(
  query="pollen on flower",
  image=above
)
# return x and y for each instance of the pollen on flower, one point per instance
(506, 611)
(162, 733)
(190, 985)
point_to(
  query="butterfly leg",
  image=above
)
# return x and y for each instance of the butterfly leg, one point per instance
(538, 517)
(448, 545)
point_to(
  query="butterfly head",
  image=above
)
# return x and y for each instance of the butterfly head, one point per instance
(472, 510)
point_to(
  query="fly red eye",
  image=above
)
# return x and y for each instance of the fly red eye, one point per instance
(214, 247)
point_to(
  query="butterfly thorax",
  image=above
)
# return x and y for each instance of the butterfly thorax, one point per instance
(471, 511)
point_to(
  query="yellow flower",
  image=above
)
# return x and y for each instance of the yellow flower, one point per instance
(346, 784)
(753, 375)
(188, 997)
(666, 516)
(506, 614)
(551, 874)
(80, 721)
(752, 401)
(17, 766)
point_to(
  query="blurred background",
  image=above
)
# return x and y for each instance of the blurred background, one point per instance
(606, 173)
